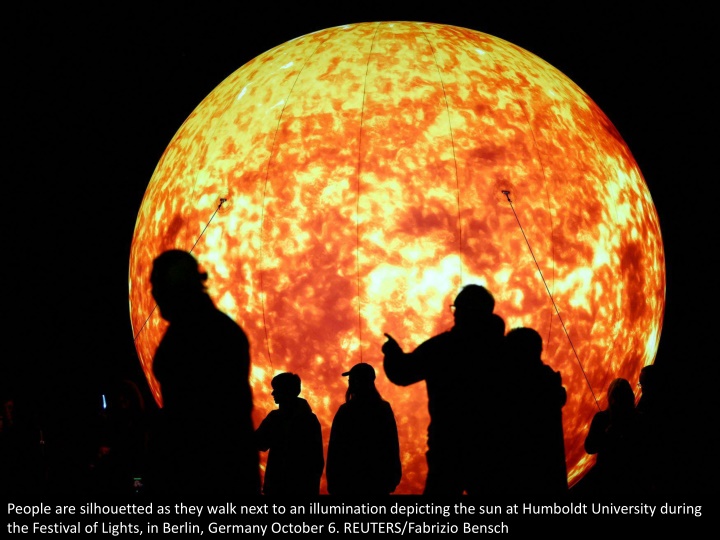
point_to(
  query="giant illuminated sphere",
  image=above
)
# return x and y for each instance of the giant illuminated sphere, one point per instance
(349, 182)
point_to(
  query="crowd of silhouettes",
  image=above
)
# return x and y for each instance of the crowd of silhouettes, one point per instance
(640, 443)
(495, 406)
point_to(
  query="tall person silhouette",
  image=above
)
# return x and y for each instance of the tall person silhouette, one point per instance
(205, 443)
(364, 450)
(465, 381)
(292, 436)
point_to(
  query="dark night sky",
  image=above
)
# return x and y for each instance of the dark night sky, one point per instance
(94, 95)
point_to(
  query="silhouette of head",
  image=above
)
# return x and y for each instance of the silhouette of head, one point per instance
(361, 372)
(620, 395)
(361, 381)
(473, 303)
(650, 380)
(524, 345)
(497, 325)
(176, 281)
(286, 387)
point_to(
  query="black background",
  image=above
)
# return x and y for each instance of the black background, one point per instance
(94, 94)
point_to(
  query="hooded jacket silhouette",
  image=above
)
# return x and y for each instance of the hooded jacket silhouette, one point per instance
(292, 436)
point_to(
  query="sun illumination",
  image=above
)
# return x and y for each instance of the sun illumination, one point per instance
(349, 182)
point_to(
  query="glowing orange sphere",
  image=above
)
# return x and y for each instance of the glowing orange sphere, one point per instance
(350, 181)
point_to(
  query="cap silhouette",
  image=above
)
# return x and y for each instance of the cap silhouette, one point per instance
(361, 371)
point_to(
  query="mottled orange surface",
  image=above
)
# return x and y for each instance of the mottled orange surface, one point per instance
(362, 169)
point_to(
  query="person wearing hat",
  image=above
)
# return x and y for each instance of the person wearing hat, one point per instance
(204, 443)
(464, 377)
(364, 450)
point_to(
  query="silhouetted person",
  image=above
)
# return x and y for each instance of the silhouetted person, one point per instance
(659, 430)
(537, 459)
(206, 441)
(292, 436)
(364, 450)
(613, 436)
(465, 380)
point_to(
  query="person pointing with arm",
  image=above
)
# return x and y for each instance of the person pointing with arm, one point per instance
(460, 368)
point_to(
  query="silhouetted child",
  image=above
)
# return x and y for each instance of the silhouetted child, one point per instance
(292, 436)
(465, 378)
(205, 438)
(537, 463)
(613, 436)
(364, 450)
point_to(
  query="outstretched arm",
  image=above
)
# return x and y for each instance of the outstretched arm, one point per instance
(401, 368)
(391, 347)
